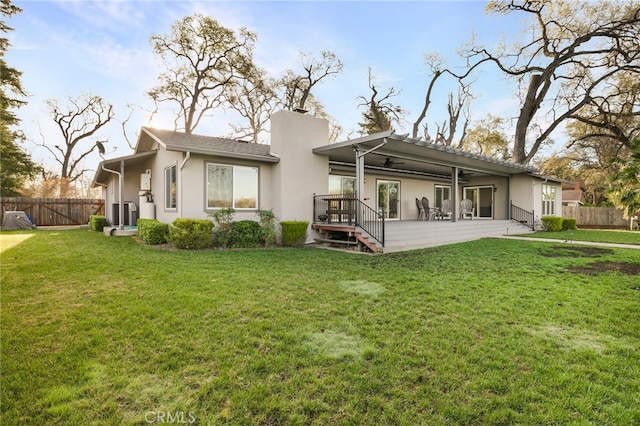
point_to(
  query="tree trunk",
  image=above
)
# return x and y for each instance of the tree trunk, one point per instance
(527, 112)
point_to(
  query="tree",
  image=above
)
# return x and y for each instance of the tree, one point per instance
(487, 138)
(202, 59)
(16, 165)
(625, 185)
(78, 121)
(379, 113)
(297, 86)
(254, 97)
(575, 51)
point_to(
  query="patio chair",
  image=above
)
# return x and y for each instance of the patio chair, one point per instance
(447, 210)
(466, 209)
(430, 213)
(421, 213)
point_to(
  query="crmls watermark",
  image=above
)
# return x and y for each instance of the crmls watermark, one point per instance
(166, 417)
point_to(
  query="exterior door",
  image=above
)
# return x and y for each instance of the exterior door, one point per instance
(482, 197)
(389, 199)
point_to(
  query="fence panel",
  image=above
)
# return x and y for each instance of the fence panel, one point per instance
(54, 211)
(596, 217)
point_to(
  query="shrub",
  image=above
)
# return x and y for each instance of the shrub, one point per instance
(222, 234)
(552, 223)
(294, 233)
(97, 222)
(246, 234)
(569, 223)
(191, 234)
(267, 226)
(152, 231)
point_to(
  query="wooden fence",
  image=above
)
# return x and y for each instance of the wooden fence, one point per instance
(54, 211)
(596, 217)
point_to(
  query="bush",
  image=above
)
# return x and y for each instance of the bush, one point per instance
(552, 223)
(152, 231)
(246, 234)
(569, 223)
(97, 222)
(294, 233)
(268, 226)
(222, 234)
(191, 234)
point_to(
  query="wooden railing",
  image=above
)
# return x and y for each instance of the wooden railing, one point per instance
(522, 216)
(347, 209)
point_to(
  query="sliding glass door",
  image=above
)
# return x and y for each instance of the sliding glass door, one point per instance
(389, 198)
(482, 197)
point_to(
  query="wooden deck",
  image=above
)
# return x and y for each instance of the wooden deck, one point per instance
(413, 234)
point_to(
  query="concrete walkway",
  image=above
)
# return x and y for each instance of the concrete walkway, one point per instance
(584, 243)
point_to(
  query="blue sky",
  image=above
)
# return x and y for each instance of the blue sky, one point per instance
(66, 48)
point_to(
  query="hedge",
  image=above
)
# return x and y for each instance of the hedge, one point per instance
(246, 234)
(97, 222)
(191, 234)
(552, 223)
(569, 223)
(294, 233)
(152, 231)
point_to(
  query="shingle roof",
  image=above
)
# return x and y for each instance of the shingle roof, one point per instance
(179, 141)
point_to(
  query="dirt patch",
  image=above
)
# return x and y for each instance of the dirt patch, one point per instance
(602, 267)
(575, 251)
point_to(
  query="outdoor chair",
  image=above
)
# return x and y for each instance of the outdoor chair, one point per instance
(430, 213)
(447, 210)
(466, 209)
(421, 213)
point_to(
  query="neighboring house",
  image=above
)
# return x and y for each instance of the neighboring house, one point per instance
(572, 194)
(192, 176)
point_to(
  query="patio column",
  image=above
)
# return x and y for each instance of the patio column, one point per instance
(121, 197)
(454, 194)
(360, 174)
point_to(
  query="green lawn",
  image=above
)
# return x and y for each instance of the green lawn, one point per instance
(595, 235)
(99, 330)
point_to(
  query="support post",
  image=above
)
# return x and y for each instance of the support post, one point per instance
(454, 194)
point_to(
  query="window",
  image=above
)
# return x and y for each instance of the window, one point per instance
(170, 188)
(548, 200)
(344, 185)
(232, 186)
(442, 193)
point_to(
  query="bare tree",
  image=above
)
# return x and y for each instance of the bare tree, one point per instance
(297, 86)
(379, 113)
(575, 50)
(445, 134)
(78, 121)
(202, 58)
(254, 97)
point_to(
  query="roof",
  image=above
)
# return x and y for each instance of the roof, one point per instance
(571, 195)
(207, 145)
(418, 155)
(101, 176)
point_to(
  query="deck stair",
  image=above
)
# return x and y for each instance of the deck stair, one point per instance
(347, 236)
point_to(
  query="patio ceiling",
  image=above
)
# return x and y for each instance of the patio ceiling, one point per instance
(393, 153)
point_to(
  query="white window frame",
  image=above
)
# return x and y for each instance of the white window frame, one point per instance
(548, 200)
(438, 202)
(342, 179)
(168, 181)
(234, 168)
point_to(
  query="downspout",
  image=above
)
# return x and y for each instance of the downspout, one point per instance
(121, 183)
(182, 164)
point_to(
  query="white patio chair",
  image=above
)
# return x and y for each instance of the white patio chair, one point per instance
(421, 213)
(466, 209)
(447, 209)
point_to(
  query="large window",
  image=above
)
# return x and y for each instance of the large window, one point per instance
(442, 192)
(232, 186)
(345, 185)
(170, 188)
(548, 200)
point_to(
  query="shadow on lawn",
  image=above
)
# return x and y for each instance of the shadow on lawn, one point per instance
(594, 268)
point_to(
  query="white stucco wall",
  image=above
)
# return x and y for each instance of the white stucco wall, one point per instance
(300, 173)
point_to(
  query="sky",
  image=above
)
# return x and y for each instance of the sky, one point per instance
(67, 48)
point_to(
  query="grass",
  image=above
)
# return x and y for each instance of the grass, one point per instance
(99, 330)
(594, 235)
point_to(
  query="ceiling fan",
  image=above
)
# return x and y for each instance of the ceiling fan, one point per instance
(389, 163)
